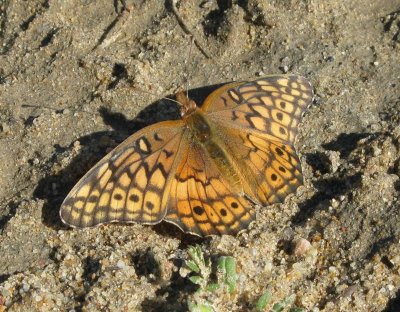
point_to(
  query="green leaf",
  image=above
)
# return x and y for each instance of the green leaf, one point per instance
(221, 265)
(212, 287)
(278, 307)
(296, 309)
(207, 262)
(192, 266)
(199, 307)
(192, 252)
(231, 277)
(227, 270)
(195, 279)
(263, 301)
(196, 254)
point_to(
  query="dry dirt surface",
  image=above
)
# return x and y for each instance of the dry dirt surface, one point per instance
(79, 76)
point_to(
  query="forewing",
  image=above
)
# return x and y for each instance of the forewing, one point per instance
(272, 105)
(131, 183)
(202, 202)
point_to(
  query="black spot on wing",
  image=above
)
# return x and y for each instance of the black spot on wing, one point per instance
(118, 197)
(234, 115)
(279, 151)
(149, 205)
(168, 154)
(157, 137)
(92, 198)
(134, 197)
(198, 210)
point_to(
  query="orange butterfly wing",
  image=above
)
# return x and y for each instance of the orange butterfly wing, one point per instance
(202, 202)
(259, 121)
(131, 183)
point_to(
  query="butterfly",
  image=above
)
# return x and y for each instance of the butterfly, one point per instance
(206, 171)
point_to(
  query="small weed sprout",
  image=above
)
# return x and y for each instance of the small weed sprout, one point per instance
(198, 265)
(227, 272)
(201, 269)
(280, 306)
(200, 307)
(263, 301)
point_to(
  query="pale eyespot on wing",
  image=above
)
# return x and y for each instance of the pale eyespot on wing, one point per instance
(199, 173)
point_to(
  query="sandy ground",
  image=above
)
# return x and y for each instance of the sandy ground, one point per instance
(66, 97)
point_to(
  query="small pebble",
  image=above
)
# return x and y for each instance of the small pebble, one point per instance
(37, 298)
(284, 69)
(334, 203)
(25, 287)
(121, 264)
(301, 246)
(288, 233)
(349, 291)
(5, 128)
(268, 267)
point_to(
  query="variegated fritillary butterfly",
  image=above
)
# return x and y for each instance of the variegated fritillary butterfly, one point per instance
(204, 172)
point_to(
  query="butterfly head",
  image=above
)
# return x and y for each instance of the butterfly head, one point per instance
(188, 106)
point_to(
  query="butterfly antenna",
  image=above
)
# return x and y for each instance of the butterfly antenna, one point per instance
(188, 30)
(187, 68)
(155, 95)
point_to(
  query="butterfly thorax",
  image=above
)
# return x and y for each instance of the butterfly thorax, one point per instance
(199, 127)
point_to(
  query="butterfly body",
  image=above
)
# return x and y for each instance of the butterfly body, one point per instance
(205, 134)
(204, 172)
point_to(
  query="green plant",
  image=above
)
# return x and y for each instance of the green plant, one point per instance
(199, 267)
(227, 272)
(265, 300)
(199, 307)
(200, 270)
